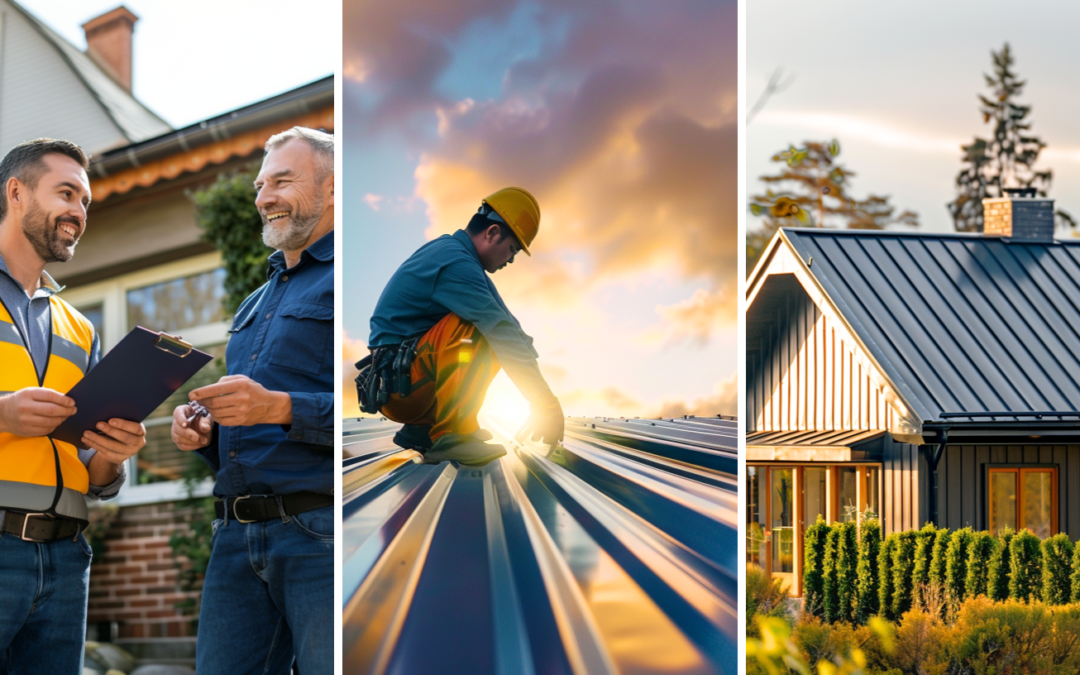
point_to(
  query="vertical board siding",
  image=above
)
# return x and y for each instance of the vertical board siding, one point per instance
(904, 472)
(962, 477)
(802, 375)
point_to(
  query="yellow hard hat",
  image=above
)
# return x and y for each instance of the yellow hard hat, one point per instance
(520, 211)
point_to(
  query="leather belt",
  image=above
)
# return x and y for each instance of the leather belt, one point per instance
(258, 508)
(39, 527)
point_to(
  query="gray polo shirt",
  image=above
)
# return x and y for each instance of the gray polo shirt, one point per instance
(33, 317)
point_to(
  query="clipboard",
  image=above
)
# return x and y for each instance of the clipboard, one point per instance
(129, 382)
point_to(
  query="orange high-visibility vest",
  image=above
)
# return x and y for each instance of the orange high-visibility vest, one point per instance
(40, 474)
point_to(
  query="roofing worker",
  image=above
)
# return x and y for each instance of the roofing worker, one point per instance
(441, 332)
(268, 597)
(46, 346)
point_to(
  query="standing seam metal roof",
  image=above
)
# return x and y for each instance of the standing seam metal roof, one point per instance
(615, 552)
(968, 323)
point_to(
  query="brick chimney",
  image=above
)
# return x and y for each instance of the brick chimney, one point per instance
(1019, 215)
(108, 43)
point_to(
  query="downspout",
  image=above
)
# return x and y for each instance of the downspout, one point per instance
(934, 461)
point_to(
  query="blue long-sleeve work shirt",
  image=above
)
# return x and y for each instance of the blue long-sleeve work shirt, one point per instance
(283, 338)
(443, 276)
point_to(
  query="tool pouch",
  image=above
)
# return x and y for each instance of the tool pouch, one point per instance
(386, 371)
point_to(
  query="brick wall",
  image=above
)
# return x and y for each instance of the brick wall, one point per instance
(135, 581)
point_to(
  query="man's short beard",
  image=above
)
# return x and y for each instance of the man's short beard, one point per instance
(46, 239)
(295, 235)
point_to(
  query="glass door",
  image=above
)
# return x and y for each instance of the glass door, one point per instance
(782, 524)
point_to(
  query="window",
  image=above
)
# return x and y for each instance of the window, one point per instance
(182, 297)
(1023, 497)
(783, 500)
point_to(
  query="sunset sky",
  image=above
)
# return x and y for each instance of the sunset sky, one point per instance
(620, 117)
(896, 84)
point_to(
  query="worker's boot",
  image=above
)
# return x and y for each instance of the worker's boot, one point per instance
(414, 437)
(467, 449)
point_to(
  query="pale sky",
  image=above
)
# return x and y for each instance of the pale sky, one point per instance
(199, 58)
(620, 116)
(896, 84)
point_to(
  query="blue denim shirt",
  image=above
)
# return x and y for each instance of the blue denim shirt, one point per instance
(443, 276)
(283, 338)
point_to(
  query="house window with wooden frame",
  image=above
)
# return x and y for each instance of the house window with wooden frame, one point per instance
(784, 499)
(1023, 497)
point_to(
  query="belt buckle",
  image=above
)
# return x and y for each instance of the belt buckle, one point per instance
(26, 520)
(236, 516)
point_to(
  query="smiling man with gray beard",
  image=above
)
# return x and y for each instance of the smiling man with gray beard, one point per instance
(268, 597)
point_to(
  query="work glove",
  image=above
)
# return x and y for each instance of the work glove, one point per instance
(545, 423)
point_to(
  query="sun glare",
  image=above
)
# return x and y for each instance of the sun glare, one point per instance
(505, 405)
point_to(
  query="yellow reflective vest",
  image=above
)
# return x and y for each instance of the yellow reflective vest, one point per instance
(40, 474)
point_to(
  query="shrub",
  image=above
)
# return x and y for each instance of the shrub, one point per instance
(937, 557)
(1025, 566)
(980, 549)
(866, 571)
(1075, 597)
(924, 548)
(1057, 554)
(765, 596)
(997, 573)
(813, 567)
(839, 572)
(885, 576)
(918, 644)
(956, 564)
(903, 563)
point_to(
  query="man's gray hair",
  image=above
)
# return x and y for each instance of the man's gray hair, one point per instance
(321, 143)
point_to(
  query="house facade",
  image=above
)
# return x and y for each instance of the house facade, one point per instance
(141, 261)
(915, 377)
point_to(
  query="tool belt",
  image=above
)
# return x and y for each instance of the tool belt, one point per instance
(258, 508)
(385, 371)
(39, 527)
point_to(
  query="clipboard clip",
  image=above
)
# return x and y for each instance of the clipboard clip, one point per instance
(172, 344)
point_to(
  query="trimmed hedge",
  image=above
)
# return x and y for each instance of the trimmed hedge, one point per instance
(813, 566)
(997, 575)
(937, 557)
(903, 563)
(1025, 566)
(956, 558)
(885, 577)
(924, 550)
(1057, 555)
(866, 571)
(1076, 575)
(839, 572)
(980, 550)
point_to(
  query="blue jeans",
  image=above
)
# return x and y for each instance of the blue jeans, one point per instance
(269, 594)
(43, 591)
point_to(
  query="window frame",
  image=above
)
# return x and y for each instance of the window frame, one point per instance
(1019, 470)
(112, 295)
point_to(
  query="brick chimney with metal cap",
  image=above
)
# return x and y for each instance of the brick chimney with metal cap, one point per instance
(108, 43)
(1019, 215)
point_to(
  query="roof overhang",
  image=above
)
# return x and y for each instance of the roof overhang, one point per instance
(815, 446)
(781, 257)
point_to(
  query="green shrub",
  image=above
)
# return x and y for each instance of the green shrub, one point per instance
(1025, 566)
(1075, 597)
(997, 574)
(903, 563)
(924, 548)
(839, 572)
(866, 571)
(885, 576)
(980, 550)
(813, 567)
(765, 596)
(937, 557)
(956, 564)
(1057, 554)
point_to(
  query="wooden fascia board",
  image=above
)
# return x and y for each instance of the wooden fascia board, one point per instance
(781, 257)
(798, 453)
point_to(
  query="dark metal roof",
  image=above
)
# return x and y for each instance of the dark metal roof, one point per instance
(960, 323)
(616, 552)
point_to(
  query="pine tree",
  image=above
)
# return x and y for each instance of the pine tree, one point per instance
(1007, 159)
(811, 189)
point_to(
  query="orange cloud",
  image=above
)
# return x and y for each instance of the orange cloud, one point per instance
(723, 401)
(695, 319)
